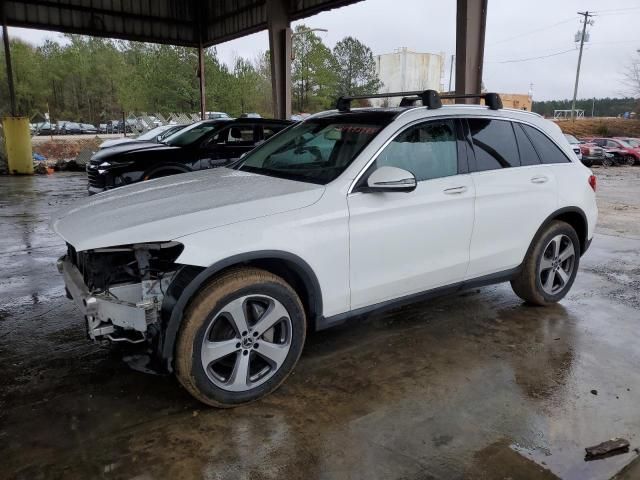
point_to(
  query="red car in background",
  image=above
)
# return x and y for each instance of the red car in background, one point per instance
(634, 142)
(624, 152)
(589, 153)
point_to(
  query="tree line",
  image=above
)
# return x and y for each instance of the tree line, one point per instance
(601, 107)
(92, 79)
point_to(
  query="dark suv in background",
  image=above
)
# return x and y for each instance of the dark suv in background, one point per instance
(202, 145)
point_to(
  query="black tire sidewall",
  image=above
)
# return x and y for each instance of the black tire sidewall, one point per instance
(298, 332)
(556, 229)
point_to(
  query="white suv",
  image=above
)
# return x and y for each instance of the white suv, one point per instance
(220, 274)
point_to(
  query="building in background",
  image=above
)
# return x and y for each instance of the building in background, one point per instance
(519, 101)
(404, 70)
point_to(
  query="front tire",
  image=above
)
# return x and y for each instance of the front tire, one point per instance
(629, 160)
(550, 265)
(241, 337)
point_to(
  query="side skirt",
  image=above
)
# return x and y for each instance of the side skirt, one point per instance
(322, 323)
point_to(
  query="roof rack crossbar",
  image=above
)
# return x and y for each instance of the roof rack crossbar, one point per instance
(430, 98)
(491, 100)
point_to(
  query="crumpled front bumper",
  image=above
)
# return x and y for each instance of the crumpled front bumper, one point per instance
(121, 314)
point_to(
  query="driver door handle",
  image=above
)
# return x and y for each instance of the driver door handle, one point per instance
(455, 190)
(539, 179)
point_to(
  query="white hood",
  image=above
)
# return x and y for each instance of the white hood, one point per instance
(171, 207)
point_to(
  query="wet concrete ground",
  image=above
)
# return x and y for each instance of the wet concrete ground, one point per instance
(471, 386)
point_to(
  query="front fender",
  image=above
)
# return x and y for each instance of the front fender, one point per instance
(189, 280)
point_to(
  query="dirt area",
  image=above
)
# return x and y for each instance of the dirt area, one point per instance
(619, 200)
(473, 386)
(601, 127)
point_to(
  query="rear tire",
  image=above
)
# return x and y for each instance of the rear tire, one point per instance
(227, 354)
(629, 160)
(550, 265)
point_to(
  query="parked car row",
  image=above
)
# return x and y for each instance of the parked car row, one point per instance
(606, 151)
(63, 128)
(199, 146)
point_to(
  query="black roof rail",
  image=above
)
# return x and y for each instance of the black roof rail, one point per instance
(430, 99)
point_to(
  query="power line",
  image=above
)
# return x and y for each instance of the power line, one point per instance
(541, 29)
(517, 60)
(610, 10)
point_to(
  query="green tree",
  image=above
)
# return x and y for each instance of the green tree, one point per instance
(313, 72)
(356, 68)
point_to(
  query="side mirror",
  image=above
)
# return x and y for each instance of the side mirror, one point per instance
(391, 179)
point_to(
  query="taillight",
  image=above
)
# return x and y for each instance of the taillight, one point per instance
(593, 182)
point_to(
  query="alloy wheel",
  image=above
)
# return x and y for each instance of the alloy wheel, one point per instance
(557, 264)
(246, 343)
(630, 160)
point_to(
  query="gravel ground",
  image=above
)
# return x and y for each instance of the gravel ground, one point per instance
(619, 200)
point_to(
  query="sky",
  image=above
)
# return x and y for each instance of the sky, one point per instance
(528, 42)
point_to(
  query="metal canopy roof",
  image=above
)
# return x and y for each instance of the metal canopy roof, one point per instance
(176, 22)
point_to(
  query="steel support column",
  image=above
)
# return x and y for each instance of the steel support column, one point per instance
(470, 29)
(201, 81)
(7, 57)
(280, 53)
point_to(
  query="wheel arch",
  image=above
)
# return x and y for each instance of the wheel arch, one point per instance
(575, 217)
(189, 280)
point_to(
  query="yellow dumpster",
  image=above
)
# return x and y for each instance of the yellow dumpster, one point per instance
(17, 140)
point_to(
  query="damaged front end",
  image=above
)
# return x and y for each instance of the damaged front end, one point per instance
(120, 290)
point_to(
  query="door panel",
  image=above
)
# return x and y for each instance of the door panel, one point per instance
(404, 243)
(511, 204)
(515, 193)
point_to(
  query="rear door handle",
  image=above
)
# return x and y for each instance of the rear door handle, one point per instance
(455, 190)
(539, 179)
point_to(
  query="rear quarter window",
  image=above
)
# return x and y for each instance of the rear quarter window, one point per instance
(548, 152)
(528, 154)
(494, 144)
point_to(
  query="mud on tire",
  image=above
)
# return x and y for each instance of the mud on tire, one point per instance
(225, 356)
(550, 265)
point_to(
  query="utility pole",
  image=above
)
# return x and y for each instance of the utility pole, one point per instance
(453, 59)
(585, 21)
(593, 107)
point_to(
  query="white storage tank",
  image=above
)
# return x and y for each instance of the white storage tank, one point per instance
(404, 70)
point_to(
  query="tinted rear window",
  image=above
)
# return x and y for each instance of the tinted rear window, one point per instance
(528, 155)
(547, 150)
(494, 144)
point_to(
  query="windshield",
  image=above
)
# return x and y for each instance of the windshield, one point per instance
(633, 142)
(571, 139)
(624, 144)
(191, 134)
(315, 151)
(152, 134)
